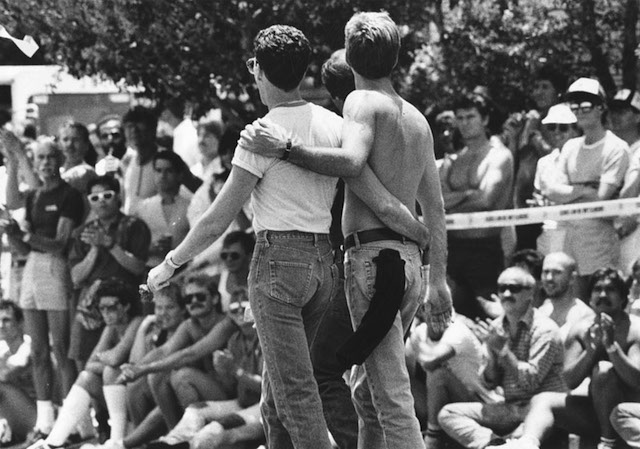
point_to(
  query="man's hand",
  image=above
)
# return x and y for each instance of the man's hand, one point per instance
(593, 338)
(607, 330)
(96, 236)
(497, 339)
(129, 373)
(5, 431)
(10, 145)
(223, 361)
(264, 138)
(11, 228)
(159, 276)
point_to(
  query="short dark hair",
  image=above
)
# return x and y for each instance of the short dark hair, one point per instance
(283, 53)
(207, 282)
(126, 293)
(176, 106)
(530, 259)
(473, 101)
(613, 275)
(246, 240)
(337, 76)
(555, 76)
(372, 40)
(174, 159)
(7, 304)
(173, 291)
(107, 181)
(141, 114)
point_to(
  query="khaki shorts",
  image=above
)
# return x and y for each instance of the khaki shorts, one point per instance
(46, 283)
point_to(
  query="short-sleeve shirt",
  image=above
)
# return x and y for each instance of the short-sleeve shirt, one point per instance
(288, 197)
(247, 354)
(44, 208)
(130, 233)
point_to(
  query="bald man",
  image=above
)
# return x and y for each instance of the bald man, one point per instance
(558, 279)
(525, 358)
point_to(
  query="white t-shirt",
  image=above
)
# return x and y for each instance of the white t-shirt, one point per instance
(288, 197)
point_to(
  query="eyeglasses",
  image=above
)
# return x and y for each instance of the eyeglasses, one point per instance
(106, 195)
(199, 297)
(562, 127)
(513, 288)
(251, 65)
(238, 307)
(584, 107)
(230, 256)
(109, 308)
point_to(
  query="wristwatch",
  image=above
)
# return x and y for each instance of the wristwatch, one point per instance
(287, 150)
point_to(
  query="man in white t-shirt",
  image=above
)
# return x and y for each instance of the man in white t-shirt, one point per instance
(592, 168)
(292, 275)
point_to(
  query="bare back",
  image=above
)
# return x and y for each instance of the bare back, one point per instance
(402, 146)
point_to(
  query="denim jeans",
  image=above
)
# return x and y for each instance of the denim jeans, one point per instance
(339, 413)
(291, 281)
(474, 424)
(380, 387)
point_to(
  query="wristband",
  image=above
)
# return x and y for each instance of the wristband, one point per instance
(169, 261)
(287, 151)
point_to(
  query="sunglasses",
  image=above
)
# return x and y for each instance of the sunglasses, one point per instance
(584, 107)
(238, 307)
(230, 256)
(251, 65)
(106, 195)
(199, 297)
(105, 136)
(109, 308)
(562, 127)
(513, 288)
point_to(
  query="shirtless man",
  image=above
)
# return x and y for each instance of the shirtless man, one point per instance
(478, 178)
(389, 134)
(605, 348)
(291, 276)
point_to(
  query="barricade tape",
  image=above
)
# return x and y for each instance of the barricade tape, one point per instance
(596, 209)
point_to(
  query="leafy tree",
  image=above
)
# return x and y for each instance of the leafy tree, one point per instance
(195, 49)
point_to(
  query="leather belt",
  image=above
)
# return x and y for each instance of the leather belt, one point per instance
(373, 235)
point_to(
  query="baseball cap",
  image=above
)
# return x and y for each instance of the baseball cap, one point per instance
(626, 98)
(559, 113)
(586, 89)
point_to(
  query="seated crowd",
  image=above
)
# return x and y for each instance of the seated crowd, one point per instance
(546, 347)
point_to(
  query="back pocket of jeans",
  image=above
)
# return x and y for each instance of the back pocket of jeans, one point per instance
(290, 282)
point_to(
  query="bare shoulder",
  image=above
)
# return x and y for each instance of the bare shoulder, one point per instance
(579, 330)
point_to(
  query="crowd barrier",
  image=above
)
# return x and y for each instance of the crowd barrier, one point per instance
(596, 209)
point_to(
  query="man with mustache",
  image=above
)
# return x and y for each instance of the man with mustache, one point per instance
(605, 348)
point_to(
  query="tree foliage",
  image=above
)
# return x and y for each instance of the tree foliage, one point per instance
(196, 49)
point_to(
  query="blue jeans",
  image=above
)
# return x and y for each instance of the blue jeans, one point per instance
(291, 282)
(339, 413)
(380, 387)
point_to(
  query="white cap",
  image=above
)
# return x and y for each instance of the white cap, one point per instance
(586, 87)
(559, 113)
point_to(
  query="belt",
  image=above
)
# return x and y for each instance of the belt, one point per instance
(373, 235)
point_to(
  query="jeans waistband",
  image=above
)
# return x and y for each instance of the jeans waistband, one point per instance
(271, 236)
(373, 235)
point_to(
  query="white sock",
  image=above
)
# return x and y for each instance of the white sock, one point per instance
(190, 423)
(45, 416)
(73, 410)
(115, 397)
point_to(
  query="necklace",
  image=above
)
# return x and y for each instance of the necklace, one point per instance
(289, 104)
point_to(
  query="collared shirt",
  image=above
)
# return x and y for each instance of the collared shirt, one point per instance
(538, 347)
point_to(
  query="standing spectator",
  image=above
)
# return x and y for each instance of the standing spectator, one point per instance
(140, 125)
(112, 141)
(17, 396)
(210, 130)
(185, 136)
(530, 141)
(166, 212)
(625, 123)
(560, 124)
(76, 146)
(525, 358)
(52, 212)
(478, 178)
(606, 348)
(561, 305)
(592, 168)
(111, 245)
